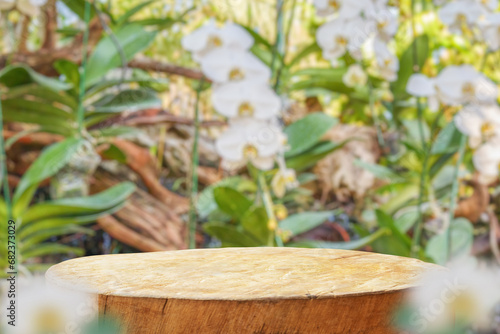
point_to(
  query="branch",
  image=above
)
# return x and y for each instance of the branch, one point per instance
(156, 66)
(50, 12)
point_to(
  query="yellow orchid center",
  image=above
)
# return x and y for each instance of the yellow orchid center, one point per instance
(382, 25)
(250, 151)
(387, 62)
(468, 89)
(487, 129)
(461, 18)
(236, 74)
(341, 40)
(215, 41)
(334, 4)
(49, 320)
(245, 109)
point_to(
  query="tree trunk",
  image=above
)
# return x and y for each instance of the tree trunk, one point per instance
(246, 290)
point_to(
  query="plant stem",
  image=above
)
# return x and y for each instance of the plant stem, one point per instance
(376, 122)
(268, 204)
(3, 168)
(194, 171)
(279, 36)
(83, 70)
(285, 46)
(454, 194)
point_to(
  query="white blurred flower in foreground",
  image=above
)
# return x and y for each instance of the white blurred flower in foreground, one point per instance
(224, 65)
(246, 98)
(387, 62)
(385, 20)
(490, 29)
(464, 294)
(336, 37)
(355, 76)
(210, 37)
(460, 14)
(489, 5)
(46, 309)
(480, 123)
(463, 84)
(26, 7)
(345, 8)
(487, 159)
(250, 140)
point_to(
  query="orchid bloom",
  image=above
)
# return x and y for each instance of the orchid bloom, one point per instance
(480, 123)
(486, 159)
(337, 37)
(458, 14)
(251, 140)
(421, 86)
(246, 98)
(345, 9)
(490, 29)
(210, 37)
(223, 65)
(388, 63)
(355, 76)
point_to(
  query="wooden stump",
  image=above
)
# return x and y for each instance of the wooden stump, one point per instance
(246, 290)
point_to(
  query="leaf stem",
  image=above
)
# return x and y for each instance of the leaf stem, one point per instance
(268, 204)
(3, 168)
(194, 171)
(83, 70)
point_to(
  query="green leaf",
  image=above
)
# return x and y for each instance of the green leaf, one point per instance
(50, 249)
(461, 237)
(413, 128)
(349, 245)
(132, 38)
(70, 71)
(312, 156)
(230, 235)
(118, 131)
(310, 49)
(43, 235)
(307, 132)
(127, 100)
(303, 222)
(17, 75)
(232, 201)
(102, 201)
(255, 222)
(78, 7)
(381, 172)
(50, 161)
(397, 243)
(114, 153)
(125, 17)
(448, 140)
(421, 44)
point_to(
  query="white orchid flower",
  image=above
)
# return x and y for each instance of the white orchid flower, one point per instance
(355, 76)
(463, 84)
(246, 98)
(250, 140)
(339, 36)
(387, 62)
(465, 293)
(210, 37)
(480, 123)
(421, 86)
(486, 159)
(458, 14)
(489, 5)
(224, 64)
(490, 29)
(346, 9)
(385, 20)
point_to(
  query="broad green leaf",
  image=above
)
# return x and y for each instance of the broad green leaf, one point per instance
(461, 237)
(50, 161)
(70, 71)
(42, 94)
(310, 49)
(78, 7)
(413, 128)
(448, 140)
(94, 204)
(118, 131)
(421, 44)
(125, 17)
(50, 249)
(309, 158)
(396, 243)
(348, 245)
(307, 132)
(132, 38)
(302, 222)
(127, 100)
(230, 235)
(381, 172)
(99, 87)
(255, 221)
(232, 201)
(43, 235)
(114, 153)
(17, 75)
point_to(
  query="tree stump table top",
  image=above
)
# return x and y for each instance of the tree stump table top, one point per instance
(246, 290)
(240, 273)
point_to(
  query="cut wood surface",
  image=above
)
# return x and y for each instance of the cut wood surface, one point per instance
(246, 290)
